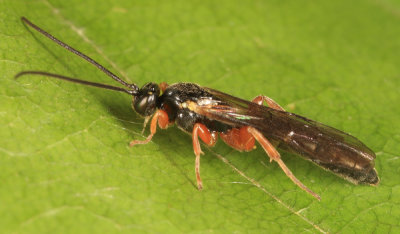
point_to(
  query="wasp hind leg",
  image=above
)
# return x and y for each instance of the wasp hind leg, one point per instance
(274, 155)
(239, 139)
(271, 103)
(200, 130)
(160, 117)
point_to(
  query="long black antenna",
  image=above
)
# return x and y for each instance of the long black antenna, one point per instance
(133, 87)
(84, 82)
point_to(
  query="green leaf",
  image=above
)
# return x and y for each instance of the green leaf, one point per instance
(65, 163)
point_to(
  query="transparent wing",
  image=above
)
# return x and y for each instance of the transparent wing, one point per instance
(328, 147)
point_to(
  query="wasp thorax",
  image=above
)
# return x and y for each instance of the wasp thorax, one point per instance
(145, 102)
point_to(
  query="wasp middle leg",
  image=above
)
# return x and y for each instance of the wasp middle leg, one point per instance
(200, 130)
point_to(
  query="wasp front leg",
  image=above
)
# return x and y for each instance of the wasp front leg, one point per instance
(271, 103)
(200, 130)
(160, 117)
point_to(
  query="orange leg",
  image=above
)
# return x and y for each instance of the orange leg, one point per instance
(274, 155)
(200, 130)
(162, 118)
(271, 103)
(239, 139)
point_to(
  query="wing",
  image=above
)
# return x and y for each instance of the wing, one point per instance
(328, 147)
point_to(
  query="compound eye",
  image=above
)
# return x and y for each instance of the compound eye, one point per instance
(140, 105)
(145, 103)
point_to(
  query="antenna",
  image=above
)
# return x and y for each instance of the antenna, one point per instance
(73, 80)
(133, 87)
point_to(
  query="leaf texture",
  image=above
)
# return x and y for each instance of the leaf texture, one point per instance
(65, 163)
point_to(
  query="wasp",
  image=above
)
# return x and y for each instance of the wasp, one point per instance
(208, 114)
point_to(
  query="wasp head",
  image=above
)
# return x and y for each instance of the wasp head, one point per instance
(145, 102)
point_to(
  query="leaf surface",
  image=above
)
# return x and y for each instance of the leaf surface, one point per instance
(65, 163)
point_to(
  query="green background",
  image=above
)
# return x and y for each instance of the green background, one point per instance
(65, 163)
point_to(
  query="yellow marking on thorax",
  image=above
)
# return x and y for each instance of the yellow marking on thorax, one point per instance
(190, 105)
